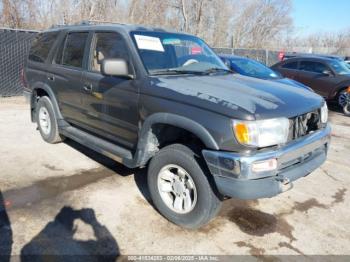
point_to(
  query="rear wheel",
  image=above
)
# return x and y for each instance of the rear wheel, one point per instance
(46, 120)
(180, 189)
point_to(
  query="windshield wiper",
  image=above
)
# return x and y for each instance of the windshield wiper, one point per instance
(176, 72)
(218, 69)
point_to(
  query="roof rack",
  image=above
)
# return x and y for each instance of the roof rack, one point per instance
(85, 22)
(95, 22)
(58, 25)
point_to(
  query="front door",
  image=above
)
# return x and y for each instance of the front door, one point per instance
(312, 74)
(110, 103)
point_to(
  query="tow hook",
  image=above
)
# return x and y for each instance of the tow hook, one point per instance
(285, 184)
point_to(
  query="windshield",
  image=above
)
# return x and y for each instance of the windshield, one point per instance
(340, 67)
(170, 53)
(253, 68)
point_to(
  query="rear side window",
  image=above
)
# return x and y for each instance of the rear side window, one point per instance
(41, 46)
(290, 65)
(314, 67)
(73, 53)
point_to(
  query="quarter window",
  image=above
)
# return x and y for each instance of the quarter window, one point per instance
(41, 46)
(73, 53)
(108, 46)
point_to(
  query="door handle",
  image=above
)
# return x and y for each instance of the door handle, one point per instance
(51, 78)
(88, 88)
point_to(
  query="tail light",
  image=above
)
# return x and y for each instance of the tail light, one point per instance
(281, 56)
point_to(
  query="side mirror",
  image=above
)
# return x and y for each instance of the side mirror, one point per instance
(115, 67)
(327, 72)
(227, 62)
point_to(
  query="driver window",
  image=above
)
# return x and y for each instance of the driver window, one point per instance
(106, 46)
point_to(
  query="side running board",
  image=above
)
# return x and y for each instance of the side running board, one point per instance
(99, 145)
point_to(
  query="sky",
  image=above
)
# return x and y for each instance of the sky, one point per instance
(312, 16)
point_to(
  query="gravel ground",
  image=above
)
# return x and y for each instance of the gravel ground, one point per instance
(67, 199)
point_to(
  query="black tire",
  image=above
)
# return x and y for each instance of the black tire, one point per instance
(53, 135)
(342, 100)
(208, 202)
(346, 109)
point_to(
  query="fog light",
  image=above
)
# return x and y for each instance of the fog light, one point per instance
(263, 166)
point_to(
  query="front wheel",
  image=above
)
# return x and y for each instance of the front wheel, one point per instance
(346, 109)
(344, 102)
(180, 189)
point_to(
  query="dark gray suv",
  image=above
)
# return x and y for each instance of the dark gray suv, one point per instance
(152, 98)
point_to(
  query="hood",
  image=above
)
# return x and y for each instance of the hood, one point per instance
(236, 96)
(292, 82)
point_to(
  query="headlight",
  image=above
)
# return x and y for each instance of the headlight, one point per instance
(324, 113)
(262, 133)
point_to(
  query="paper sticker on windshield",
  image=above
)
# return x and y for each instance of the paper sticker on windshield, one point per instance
(171, 41)
(149, 43)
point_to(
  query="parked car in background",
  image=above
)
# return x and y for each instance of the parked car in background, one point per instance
(347, 61)
(250, 67)
(284, 56)
(326, 76)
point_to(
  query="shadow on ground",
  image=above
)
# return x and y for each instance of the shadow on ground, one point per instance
(5, 232)
(57, 242)
(140, 175)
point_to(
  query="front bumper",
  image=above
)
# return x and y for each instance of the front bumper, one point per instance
(234, 176)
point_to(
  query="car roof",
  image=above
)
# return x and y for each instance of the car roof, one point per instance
(290, 55)
(234, 57)
(110, 26)
(308, 58)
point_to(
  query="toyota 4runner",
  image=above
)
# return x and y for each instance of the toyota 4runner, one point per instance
(148, 97)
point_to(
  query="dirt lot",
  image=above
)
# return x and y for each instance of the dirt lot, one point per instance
(67, 199)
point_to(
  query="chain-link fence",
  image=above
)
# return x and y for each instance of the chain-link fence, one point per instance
(14, 48)
(264, 56)
(15, 44)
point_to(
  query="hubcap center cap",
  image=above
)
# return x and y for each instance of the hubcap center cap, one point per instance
(178, 187)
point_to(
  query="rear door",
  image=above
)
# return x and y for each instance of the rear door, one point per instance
(312, 74)
(37, 66)
(67, 75)
(110, 102)
(289, 69)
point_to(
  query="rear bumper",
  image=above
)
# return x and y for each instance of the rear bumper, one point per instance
(234, 176)
(27, 95)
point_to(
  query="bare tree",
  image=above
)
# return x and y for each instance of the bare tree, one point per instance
(222, 23)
